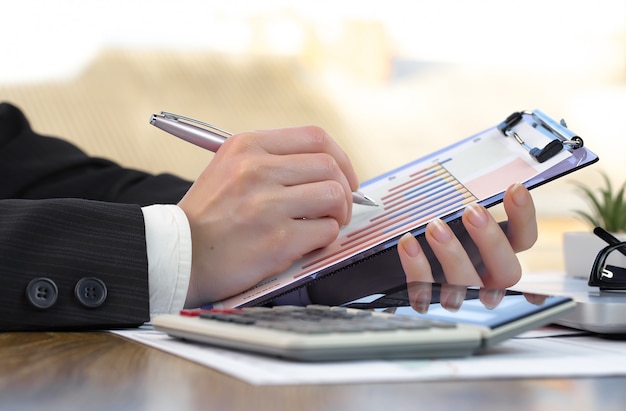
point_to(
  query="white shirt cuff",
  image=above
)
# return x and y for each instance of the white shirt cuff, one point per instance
(168, 244)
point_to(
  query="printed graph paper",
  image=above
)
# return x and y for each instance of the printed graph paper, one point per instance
(409, 197)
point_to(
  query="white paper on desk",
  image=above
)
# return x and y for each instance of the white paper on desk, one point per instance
(527, 356)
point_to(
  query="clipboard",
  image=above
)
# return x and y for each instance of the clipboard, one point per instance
(527, 147)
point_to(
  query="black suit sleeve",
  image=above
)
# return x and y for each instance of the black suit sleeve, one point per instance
(70, 264)
(72, 236)
(33, 166)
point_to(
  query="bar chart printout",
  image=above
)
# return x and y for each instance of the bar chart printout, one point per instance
(411, 196)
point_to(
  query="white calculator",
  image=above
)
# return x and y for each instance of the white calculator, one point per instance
(382, 326)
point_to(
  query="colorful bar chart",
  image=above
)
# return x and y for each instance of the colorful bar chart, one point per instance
(426, 194)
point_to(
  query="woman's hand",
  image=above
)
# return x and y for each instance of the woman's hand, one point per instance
(496, 245)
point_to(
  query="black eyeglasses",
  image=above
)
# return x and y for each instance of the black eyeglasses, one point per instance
(607, 276)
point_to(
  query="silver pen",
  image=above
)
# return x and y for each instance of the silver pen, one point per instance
(211, 138)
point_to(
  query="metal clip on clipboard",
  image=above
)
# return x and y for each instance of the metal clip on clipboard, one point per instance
(561, 135)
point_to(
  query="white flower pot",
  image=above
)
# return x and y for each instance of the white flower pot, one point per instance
(580, 250)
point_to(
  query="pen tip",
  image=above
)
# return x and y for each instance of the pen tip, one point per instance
(368, 201)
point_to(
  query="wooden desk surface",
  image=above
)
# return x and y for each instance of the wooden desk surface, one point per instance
(101, 371)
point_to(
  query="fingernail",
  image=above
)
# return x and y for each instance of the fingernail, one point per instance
(492, 298)
(454, 300)
(440, 231)
(476, 215)
(410, 245)
(535, 299)
(421, 303)
(519, 195)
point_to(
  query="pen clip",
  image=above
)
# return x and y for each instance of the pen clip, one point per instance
(211, 127)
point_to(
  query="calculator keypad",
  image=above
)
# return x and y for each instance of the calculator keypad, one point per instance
(317, 319)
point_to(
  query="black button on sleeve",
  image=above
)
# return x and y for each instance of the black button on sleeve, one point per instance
(42, 292)
(90, 292)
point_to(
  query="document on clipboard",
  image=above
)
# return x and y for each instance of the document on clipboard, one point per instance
(527, 147)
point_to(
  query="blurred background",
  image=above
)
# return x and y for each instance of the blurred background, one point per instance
(389, 80)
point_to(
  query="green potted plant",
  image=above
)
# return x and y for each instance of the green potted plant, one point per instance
(608, 206)
(607, 209)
